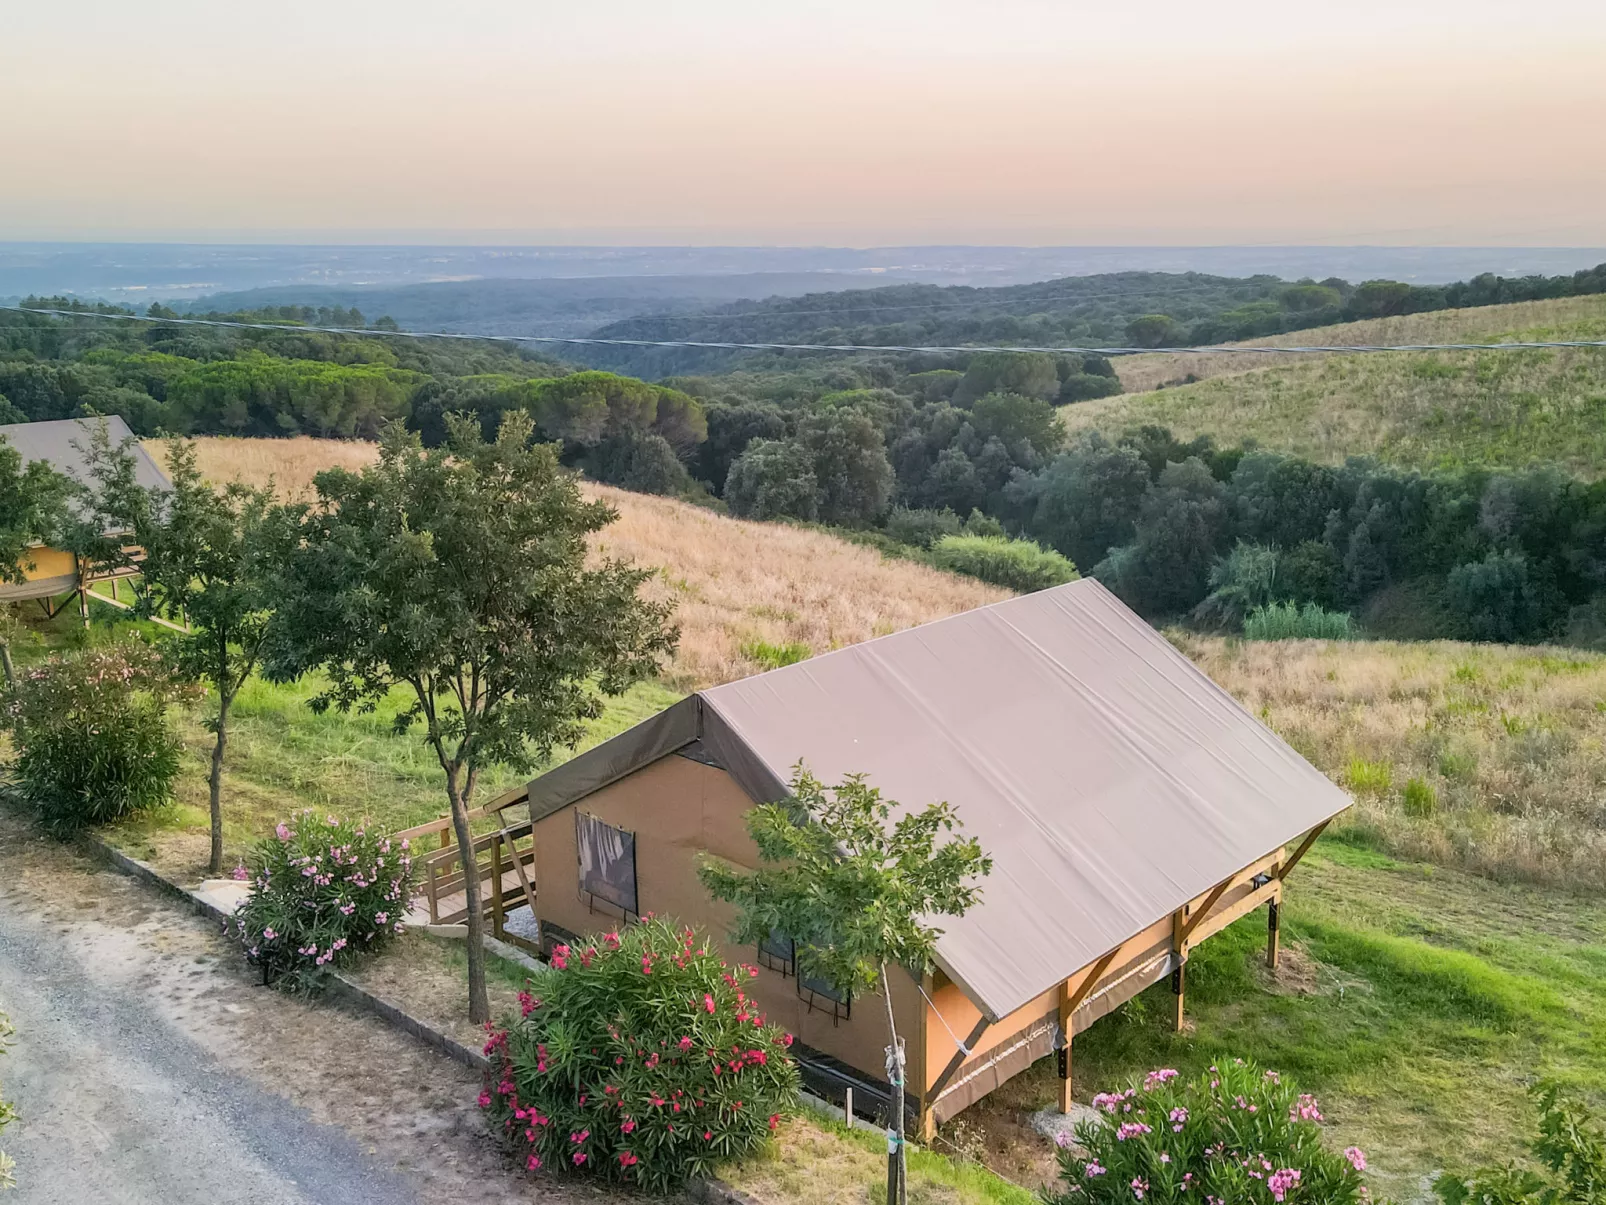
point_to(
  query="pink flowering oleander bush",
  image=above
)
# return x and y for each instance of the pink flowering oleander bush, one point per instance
(92, 738)
(640, 1058)
(322, 891)
(1234, 1135)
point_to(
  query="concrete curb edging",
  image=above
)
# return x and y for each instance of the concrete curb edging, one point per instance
(351, 994)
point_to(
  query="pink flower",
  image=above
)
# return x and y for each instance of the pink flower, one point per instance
(1356, 1156)
(626, 1159)
(579, 1158)
(1155, 1078)
(1139, 1187)
(708, 1002)
(1281, 1181)
(611, 940)
(533, 1162)
(283, 832)
(485, 1100)
(1179, 1118)
(1131, 1129)
(684, 1043)
(1091, 1168)
(241, 873)
(627, 1126)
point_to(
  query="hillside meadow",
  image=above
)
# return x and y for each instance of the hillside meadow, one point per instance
(1421, 409)
(1444, 945)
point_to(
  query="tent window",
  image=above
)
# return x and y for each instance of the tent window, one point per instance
(779, 953)
(607, 865)
(819, 994)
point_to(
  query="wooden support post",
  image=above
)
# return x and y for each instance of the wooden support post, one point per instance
(496, 885)
(1180, 928)
(114, 587)
(1274, 930)
(1178, 986)
(1067, 1008)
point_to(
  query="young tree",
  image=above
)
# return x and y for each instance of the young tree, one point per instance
(855, 894)
(206, 553)
(460, 572)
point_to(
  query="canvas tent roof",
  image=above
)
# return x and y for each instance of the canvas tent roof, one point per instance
(53, 443)
(1109, 779)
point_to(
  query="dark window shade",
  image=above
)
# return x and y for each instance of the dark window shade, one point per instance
(778, 953)
(607, 862)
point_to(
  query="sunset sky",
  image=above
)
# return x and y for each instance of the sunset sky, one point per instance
(815, 121)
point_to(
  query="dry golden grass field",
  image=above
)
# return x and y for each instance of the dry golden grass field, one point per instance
(735, 584)
(1413, 408)
(1508, 744)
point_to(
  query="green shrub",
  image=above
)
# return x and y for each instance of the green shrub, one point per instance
(1288, 621)
(1419, 798)
(92, 738)
(774, 656)
(1571, 1146)
(1016, 564)
(1234, 1133)
(921, 528)
(322, 891)
(1369, 777)
(639, 1058)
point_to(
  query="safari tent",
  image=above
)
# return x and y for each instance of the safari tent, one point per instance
(54, 576)
(1131, 807)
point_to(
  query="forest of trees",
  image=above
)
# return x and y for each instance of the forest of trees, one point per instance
(905, 448)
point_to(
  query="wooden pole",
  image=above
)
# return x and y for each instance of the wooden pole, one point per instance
(1274, 930)
(1067, 1007)
(496, 885)
(1178, 987)
(1180, 928)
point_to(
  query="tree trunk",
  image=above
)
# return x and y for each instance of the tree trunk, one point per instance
(5, 664)
(897, 1160)
(479, 1003)
(215, 784)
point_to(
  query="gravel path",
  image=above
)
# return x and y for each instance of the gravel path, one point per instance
(150, 1067)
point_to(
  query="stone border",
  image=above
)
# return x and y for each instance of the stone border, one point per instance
(706, 1192)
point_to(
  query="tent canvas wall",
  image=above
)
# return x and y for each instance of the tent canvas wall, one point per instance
(1130, 805)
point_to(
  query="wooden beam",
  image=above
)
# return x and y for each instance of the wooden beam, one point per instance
(957, 1061)
(122, 606)
(1274, 929)
(1186, 927)
(1069, 1002)
(1304, 846)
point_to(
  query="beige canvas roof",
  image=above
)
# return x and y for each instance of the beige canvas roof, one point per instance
(53, 442)
(1109, 779)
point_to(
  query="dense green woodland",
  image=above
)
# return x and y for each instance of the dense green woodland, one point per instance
(908, 451)
(1140, 309)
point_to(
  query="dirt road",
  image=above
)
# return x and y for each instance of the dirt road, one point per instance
(150, 1067)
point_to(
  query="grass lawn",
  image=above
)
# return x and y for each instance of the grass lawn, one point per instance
(1421, 409)
(282, 756)
(1417, 999)
(1419, 1003)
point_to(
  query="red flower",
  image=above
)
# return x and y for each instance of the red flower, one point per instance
(775, 1120)
(708, 1002)
(626, 1159)
(708, 1135)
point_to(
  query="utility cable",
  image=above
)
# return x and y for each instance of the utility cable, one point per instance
(579, 340)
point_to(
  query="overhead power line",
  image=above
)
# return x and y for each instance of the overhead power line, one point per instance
(1263, 349)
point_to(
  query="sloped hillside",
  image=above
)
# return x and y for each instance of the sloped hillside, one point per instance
(1421, 409)
(738, 586)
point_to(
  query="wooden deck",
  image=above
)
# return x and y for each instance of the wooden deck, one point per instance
(504, 864)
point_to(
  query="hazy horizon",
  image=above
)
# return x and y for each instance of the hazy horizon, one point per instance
(1390, 123)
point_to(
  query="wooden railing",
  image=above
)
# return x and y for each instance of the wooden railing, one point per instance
(504, 864)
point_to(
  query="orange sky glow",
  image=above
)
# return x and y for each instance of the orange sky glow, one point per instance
(1019, 121)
